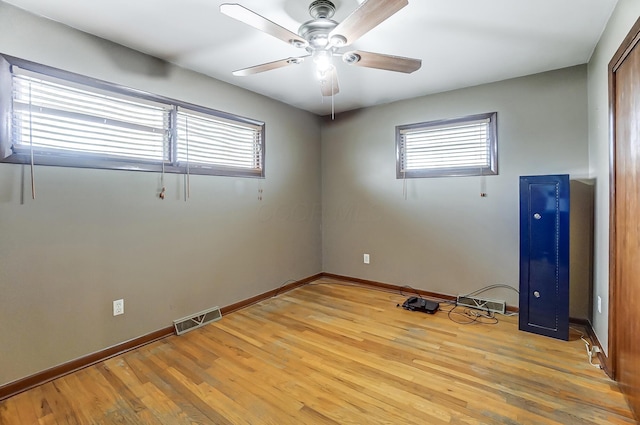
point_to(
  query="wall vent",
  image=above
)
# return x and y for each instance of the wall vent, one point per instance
(482, 304)
(197, 320)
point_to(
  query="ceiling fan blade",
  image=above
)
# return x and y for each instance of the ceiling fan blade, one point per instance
(268, 66)
(366, 17)
(261, 23)
(329, 83)
(380, 61)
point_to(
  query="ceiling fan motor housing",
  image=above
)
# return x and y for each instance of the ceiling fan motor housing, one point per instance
(316, 31)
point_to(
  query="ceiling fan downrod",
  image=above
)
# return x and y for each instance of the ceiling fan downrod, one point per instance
(322, 9)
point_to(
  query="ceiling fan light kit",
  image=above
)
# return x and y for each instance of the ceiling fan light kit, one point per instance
(323, 37)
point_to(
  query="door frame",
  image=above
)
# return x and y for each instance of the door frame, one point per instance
(631, 40)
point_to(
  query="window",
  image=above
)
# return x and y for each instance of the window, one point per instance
(59, 118)
(213, 141)
(457, 147)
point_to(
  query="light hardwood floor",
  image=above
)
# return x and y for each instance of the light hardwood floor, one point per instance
(331, 353)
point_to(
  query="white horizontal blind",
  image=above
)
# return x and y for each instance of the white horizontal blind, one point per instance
(462, 145)
(215, 141)
(65, 118)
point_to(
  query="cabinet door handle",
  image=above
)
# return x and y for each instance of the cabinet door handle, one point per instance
(536, 294)
(537, 216)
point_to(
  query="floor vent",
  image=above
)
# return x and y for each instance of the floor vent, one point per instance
(482, 304)
(197, 320)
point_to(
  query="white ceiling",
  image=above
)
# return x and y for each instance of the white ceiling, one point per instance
(461, 43)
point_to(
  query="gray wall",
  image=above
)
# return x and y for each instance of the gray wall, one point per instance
(93, 236)
(444, 237)
(620, 23)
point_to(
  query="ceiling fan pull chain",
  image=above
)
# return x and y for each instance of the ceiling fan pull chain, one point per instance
(333, 110)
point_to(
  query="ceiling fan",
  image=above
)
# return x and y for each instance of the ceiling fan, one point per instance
(323, 38)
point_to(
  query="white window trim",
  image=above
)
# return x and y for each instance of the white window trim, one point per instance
(170, 164)
(489, 168)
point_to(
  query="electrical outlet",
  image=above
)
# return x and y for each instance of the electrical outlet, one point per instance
(366, 258)
(118, 307)
(599, 304)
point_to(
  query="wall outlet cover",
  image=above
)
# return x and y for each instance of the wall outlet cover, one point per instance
(118, 307)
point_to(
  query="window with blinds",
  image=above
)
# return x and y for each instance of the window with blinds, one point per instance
(456, 147)
(53, 117)
(205, 141)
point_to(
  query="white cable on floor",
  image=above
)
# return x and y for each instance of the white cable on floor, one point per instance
(588, 348)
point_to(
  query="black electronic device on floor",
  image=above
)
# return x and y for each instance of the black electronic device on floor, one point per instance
(420, 304)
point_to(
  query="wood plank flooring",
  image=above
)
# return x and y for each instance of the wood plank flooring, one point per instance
(333, 353)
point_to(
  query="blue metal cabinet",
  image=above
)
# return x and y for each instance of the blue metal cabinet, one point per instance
(544, 255)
